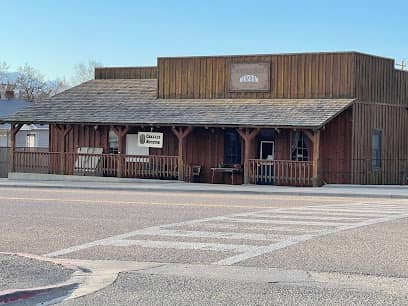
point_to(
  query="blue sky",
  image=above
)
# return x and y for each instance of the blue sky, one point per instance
(53, 36)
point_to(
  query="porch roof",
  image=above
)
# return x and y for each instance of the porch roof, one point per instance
(130, 102)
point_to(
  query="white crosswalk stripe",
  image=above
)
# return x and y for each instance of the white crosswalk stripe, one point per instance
(254, 227)
(180, 245)
(322, 214)
(262, 231)
(216, 235)
(358, 210)
(303, 217)
(290, 222)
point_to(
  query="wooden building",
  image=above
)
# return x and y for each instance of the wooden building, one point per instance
(286, 119)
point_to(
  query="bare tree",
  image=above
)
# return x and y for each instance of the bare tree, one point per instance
(3, 72)
(32, 86)
(85, 71)
(57, 86)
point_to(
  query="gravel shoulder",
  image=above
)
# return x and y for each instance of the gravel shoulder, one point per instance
(18, 272)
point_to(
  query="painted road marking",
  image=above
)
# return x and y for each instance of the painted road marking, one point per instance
(216, 235)
(303, 217)
(297, 231)
(289, 222)
(351, 210)
(180, 245)
(298, 239)
(323, 214)
(254, 227)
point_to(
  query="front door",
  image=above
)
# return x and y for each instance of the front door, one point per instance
(267, 150)
(265, 171)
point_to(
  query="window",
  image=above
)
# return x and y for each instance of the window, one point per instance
(376, 149)
(300, 150)
(232, 147)
(113, 143)
(30, 141)
(4, 139)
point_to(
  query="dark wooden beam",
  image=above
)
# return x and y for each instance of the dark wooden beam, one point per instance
(309, 135)
(13, 132)
(121, 132)
(316, 157)
(247, 135)
(63, 130)
(181, 133)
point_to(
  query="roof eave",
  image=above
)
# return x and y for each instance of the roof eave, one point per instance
(337, 113)
(314, 127)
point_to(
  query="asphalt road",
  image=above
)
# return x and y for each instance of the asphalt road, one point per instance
(354, 250)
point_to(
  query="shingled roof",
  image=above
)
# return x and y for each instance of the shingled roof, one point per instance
(134, 102)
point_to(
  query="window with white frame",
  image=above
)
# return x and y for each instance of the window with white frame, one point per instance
(30, 141)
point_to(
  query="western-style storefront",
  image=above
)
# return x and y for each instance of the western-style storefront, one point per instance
(290, 119)
(208, 154)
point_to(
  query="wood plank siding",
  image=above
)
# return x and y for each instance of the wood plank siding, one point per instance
(126, 73)
(392, 121)
(79, 136)
(376, 80)
(382, 93)
(336, 150)
(320, 75)
(381, 100)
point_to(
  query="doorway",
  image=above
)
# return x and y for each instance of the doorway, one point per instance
(267, 150)
(266, 168)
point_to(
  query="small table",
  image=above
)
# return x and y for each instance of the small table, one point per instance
(232, 171)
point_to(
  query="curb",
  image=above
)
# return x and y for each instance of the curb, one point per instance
(25, 294)
(215, 191)
(15, 295)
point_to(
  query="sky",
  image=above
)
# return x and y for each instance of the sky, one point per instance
(54, 36)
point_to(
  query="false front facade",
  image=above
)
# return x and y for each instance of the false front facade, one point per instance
(290, 119)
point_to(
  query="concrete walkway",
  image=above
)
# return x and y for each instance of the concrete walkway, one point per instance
(105, 183)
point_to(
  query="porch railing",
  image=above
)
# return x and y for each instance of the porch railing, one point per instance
(280, 172)
(152, 166)
(36, 162)
(137, 166)
(277, 172)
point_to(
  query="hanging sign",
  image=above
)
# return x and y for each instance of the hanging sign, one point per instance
(250, 77)
(150, 139)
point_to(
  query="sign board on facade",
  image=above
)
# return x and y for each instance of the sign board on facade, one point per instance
(250, 77)
(150, 139)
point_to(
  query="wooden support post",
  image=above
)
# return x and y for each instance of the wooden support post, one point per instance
(121, 134)
(13, 132)
(315, 139)
(181, 133)
(316, 157)
(247, 135)
(64, 131)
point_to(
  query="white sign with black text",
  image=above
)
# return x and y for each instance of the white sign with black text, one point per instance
(150, 139)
